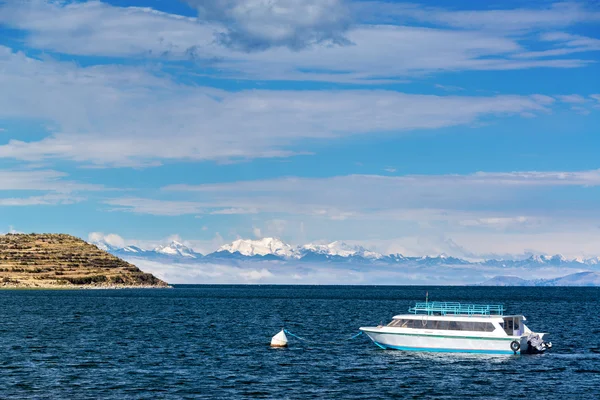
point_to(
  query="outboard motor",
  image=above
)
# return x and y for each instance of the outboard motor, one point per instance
(535, 344)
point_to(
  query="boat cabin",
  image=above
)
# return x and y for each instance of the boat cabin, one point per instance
(513, 325)
(450, 316)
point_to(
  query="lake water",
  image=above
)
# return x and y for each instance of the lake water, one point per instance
(213, 342)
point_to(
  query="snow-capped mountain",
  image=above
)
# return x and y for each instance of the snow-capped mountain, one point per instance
(337, 248)
(541, 260)
(171, 250)
(133, 249)
(592, 261)
(176, 249)
(273, 249)
(262, 247)
(104, 246)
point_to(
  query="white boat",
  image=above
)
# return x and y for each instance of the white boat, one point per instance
(459, 328)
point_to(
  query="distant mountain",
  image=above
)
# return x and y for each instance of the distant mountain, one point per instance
(273, 249)
(176, 249)
(539, 260)
(337, 249)
(262, 247)
(507, 281)
(132, 249)
(442, 259)
(586, 278)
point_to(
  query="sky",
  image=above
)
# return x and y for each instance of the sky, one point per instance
(465, 128)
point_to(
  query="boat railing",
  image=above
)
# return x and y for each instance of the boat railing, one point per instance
(453, 308)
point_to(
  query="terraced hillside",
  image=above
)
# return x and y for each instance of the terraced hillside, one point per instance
(58, 260)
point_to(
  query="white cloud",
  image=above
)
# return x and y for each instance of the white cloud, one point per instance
(366, 207)
(45, 200)
(276, 227)
(449, 88)
(499, 222)
(543, 99)
(254, 275)
(566, 44)
(571, 98)
(42, 180)
(99, 29)
(58, 190)
(259, 24)
(257, 233)
(374, 208)
(154, 207)
(106, 116)
(551, 16)
(233, 211)
(581, 110)
(350, 186)
(112, 239)
(378, 54)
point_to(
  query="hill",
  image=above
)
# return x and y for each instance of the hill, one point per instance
(64, 261)
(586, 278)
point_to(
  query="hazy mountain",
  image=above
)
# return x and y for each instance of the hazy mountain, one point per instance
(586, 278)
(337, 249)
(507, 281)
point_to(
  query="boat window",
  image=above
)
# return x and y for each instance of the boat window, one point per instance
(431, 325)
(443, 325)
(483, 327)
(467, 326)
(508, 326)
(401, 323)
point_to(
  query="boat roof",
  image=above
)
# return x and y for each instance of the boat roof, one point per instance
(455, 308)
(458, 317)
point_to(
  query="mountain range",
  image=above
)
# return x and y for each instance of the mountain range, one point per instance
(586, 278)
(273, 249)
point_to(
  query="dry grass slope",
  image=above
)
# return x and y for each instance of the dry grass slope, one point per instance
(58, 260)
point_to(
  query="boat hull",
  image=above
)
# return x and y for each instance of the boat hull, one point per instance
(442, 343)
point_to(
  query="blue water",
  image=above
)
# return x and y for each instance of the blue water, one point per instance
(213, 342)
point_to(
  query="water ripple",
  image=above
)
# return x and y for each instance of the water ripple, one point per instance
(212, 342)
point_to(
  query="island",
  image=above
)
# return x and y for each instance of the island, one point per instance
(65, 261)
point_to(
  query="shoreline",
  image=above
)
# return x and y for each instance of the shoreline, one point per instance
(81, 287)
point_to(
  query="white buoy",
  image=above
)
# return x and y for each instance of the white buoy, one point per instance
(279, 340)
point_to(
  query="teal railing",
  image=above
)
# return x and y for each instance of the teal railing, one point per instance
(453, 308)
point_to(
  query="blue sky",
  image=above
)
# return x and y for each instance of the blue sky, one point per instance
(426, 127)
